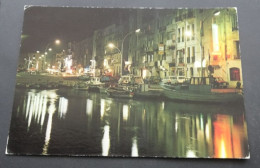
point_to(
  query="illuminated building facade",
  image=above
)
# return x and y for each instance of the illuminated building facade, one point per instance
(183, 42)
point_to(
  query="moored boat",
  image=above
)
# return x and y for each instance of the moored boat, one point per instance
(94, 84)
(120, 92)
(200, 90)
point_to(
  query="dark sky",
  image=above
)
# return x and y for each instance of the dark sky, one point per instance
(42, 25)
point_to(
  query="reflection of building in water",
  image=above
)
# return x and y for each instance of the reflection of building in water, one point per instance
(38, 104)
(63, 107)
(106, 141)
(134, 150)
(102, 108)
(51, 111)
(35, 108)
(125, 112)
(89, 108)
(229, 137)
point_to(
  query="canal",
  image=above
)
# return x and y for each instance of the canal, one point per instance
(73, 122)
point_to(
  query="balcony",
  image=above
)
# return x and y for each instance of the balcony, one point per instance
(181, 59)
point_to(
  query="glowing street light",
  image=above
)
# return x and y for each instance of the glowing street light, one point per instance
(57, 41)
(189, 34)
(217, 13)
(38, 52)
(50, 49)
(111, 45)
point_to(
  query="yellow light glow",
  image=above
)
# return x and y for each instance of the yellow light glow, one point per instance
(188, 33)
(125, 112)
(111, 45)
(57, 42)
(106, 141)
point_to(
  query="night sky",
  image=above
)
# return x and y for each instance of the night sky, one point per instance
(42, 25)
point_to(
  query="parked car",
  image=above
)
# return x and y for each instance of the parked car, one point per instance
(220, 83)
(175, 80)
(170, 80)
(130, 79)
(181, 79)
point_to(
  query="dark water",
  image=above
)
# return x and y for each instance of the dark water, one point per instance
(80, 123)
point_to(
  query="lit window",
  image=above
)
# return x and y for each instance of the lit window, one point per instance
(234, 74)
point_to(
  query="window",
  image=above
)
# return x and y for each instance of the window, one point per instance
(193, 54)
(237, 56)
(192, 31)
(179, 35)
(182, 35)
(180, 54)
(234, 22)
(191, 71)
(202, 28)
(188, 30)
(234, 74)
(188, 56)
(203, 53)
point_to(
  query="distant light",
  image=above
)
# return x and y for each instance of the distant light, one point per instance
(188, 33)
(38, 52)
(57, 42)
(50, 49)
(137, 30)
(111, 45)
(45, 53)
(217, 13)
(42, 55)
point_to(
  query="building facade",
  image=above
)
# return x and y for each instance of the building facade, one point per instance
(180, 42)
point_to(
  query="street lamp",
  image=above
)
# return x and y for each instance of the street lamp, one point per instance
(111, 45)
(189, 34)
(57, 42)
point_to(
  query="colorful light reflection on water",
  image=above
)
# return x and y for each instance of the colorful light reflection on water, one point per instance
(81, 123)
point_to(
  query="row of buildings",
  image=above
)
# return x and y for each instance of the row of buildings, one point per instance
(180, 42)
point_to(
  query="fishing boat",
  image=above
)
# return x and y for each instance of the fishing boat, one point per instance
(94, 84)
(120, 92)
(200, 89)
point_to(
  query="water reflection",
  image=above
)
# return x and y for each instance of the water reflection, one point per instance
(106, 141)
(125, 112)
(89, 107)
(63, 107)
(134, 150)
(127, 127)
(51, 111)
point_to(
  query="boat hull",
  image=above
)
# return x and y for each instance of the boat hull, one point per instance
(202, 96)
